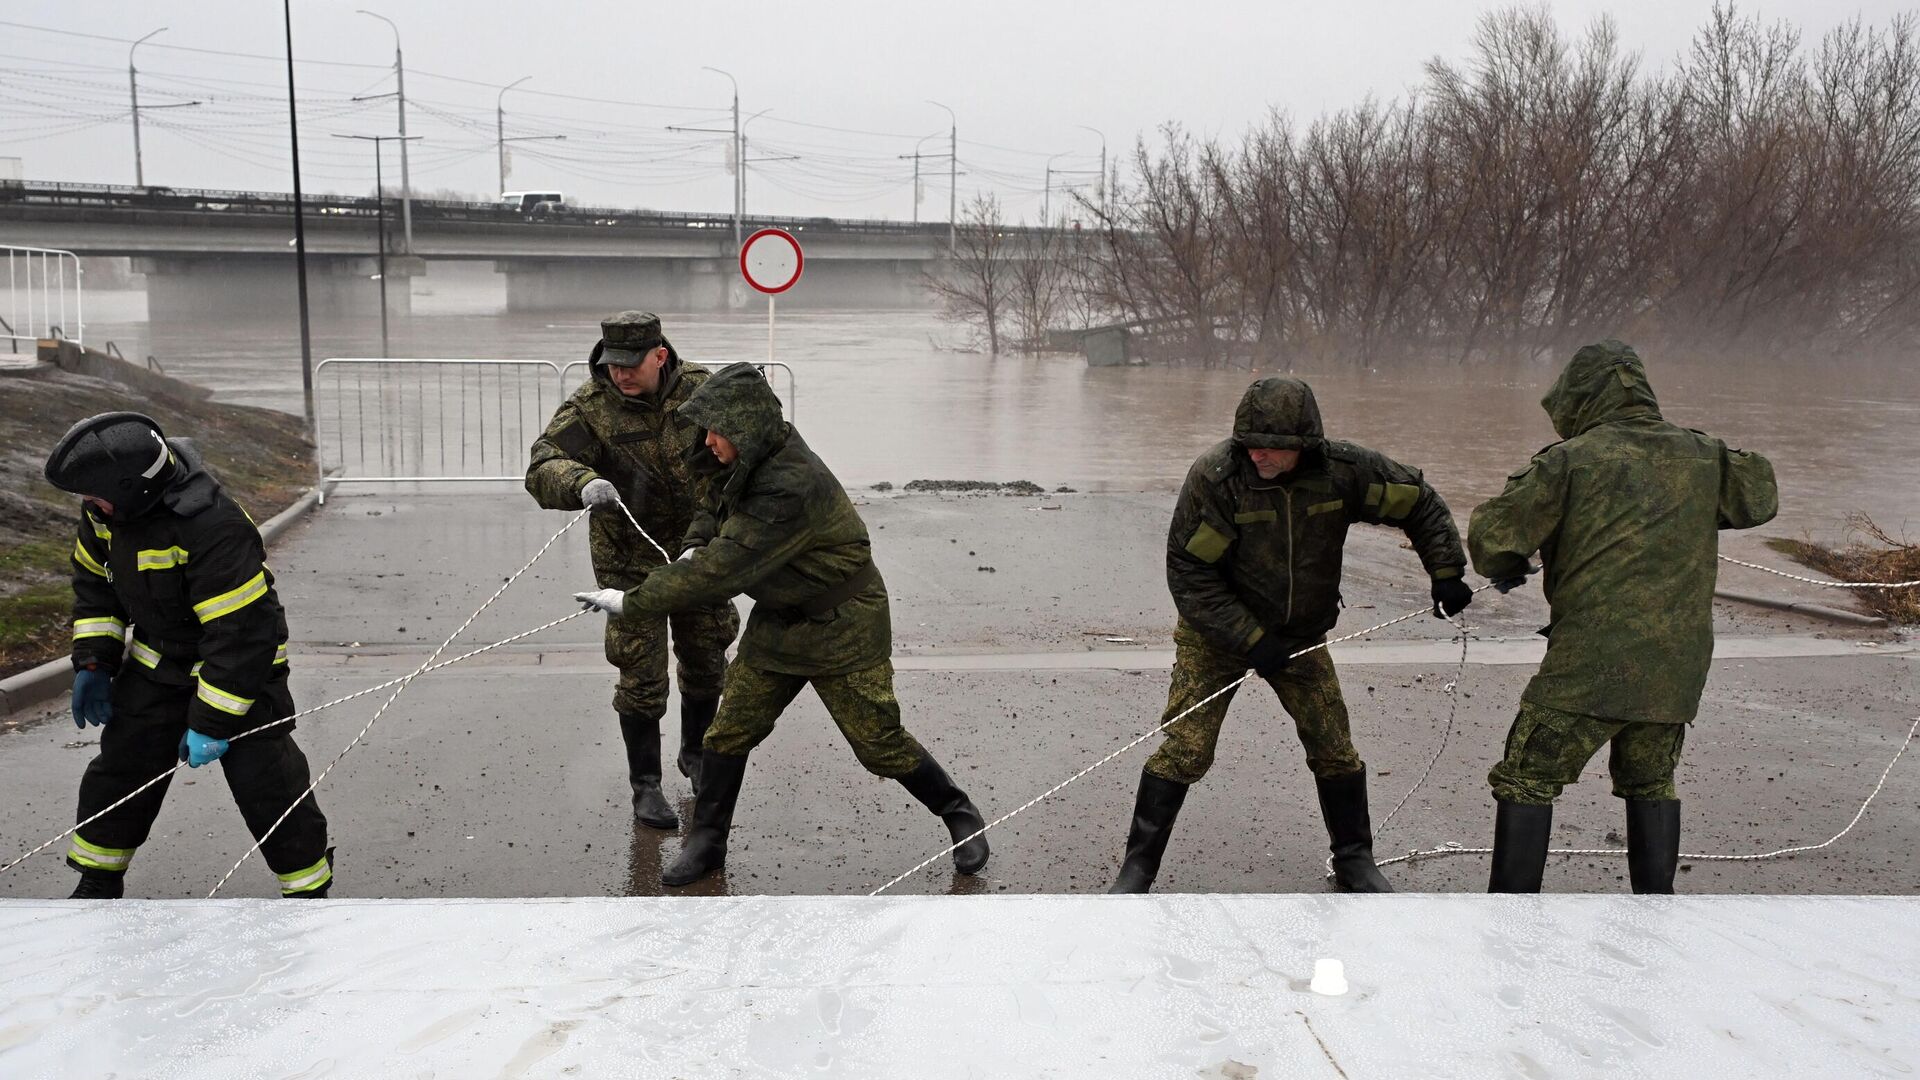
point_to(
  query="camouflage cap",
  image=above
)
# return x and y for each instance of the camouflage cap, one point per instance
(627, 338)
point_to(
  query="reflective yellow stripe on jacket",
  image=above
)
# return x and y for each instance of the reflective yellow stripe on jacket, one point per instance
(232, 704)
(102, 626)
(81, 556)
(229, 602)
(146, 654)
(164, 559)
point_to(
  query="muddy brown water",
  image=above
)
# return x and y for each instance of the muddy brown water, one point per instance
(883, 397)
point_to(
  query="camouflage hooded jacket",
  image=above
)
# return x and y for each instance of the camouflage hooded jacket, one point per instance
(1626, 516)
(1248, 557)
(638, 444)
(777, 526)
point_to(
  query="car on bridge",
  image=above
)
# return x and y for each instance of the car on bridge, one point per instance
(535, 203)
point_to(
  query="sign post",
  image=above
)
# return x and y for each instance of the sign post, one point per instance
(771, 262)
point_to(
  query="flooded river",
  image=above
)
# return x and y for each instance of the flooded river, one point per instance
(885, 396)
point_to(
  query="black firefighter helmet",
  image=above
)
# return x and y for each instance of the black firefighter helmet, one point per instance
(120, 458)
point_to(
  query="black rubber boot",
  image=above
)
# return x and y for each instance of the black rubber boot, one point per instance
(1653, 843)
(642, 736)
(1343, 802)
(321, 892)
(696, 715)
(705, 848)
(1154, 808)
(100, 885)
(929, 783)
(1520, 832)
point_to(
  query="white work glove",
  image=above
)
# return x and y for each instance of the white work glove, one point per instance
(611, 601)
(599, 492)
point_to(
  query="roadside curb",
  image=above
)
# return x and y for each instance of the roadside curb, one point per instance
(1800, 607)
(49, 680)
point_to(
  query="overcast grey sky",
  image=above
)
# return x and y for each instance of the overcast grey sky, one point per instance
(1023, 79)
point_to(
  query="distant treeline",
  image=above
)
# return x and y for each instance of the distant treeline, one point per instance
(1760, 196)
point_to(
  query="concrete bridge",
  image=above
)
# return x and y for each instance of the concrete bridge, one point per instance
(208, 252)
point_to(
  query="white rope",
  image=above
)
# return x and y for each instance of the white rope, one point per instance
(463, 657)
(397, 691)
(636, 528)
(1456, 849)
(1136, 741)
(1817, 581)
(1452, 690)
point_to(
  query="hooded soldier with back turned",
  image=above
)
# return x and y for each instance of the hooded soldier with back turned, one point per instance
(1253, 562)
(1625, 514)
(621, 440)
(777, 526)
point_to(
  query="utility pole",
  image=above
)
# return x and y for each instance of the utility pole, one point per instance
(916, 155)
(500, 128)
(400, 90)
(299, 231)
(739, 156)
(1100, 191)
(1046, 194)
(744, 159)
(133, 89)
(380, 201)
(953, 179)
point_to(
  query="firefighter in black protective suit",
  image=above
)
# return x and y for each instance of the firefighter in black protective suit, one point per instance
(164, 551)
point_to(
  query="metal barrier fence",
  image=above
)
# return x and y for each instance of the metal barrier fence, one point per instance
(43, 294)
(430, 420)
(390, 421)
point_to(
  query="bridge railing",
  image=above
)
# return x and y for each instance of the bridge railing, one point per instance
(43, 296)
(435, 420)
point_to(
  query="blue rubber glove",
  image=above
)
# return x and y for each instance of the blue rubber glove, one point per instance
(92, 697)
(197, 749)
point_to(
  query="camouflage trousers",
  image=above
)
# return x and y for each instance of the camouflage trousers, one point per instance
(1547, 748)
(1308, 689)
(639, 649)
(861, 704)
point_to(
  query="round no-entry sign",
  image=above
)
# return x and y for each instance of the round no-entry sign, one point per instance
(770, 260)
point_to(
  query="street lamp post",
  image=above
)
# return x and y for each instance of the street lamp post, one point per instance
(953, 178)
(739, 165)
(400, 86)
(500, 126)
(133, 90)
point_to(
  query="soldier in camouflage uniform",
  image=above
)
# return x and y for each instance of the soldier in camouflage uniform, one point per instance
(1625, 514)
(621, 439)
(777, 526)
(1253, 561)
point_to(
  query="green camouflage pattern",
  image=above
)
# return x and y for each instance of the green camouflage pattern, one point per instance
(1547, 749)
(639, 649)
(640, 445)
(1308, 689)
(1247, 557)
(777, 526)
(626, 338)
(861, 703)
(1625, 514)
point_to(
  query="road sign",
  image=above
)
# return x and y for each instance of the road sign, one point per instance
(770, 260)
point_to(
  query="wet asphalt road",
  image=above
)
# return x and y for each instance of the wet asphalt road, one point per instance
(503, 776)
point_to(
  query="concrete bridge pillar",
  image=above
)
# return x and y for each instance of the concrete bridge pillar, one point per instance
(192, 287)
